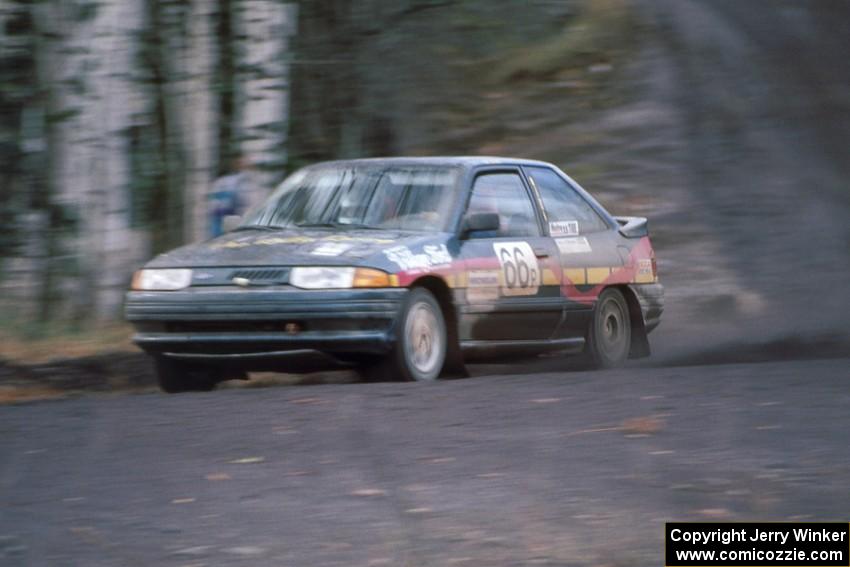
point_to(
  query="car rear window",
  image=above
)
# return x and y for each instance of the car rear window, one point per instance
(562, 203)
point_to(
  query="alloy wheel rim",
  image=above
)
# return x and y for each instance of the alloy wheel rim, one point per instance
(424, 343)
(612, 328)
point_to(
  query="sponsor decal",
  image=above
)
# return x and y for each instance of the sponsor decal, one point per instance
(272, 240)
(563, 228)
(331, 248)
(482, 294)
(644, 271)
(482, 286)
(520, 271)
(432, 255)
(348, 238)
(230, 244)
(482, 278)
(574, 245)
(438, 254)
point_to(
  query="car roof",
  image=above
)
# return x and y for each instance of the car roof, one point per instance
(458, 161)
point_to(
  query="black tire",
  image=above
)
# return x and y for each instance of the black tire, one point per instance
(609, 338)
(175, 376)
(421, 343)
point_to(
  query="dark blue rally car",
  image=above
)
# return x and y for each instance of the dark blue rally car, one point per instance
(405, 268)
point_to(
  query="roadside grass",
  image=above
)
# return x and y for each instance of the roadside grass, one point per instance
(28, 342)
(23, 394)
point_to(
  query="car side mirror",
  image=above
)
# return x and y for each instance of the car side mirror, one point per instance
(480, 222)
(230, 222)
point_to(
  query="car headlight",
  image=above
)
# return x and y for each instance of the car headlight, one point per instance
(337, 277)
(161, 279)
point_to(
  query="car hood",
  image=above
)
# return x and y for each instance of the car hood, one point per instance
(287, 247)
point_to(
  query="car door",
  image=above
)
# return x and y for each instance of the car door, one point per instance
(512, 275)
(587, 245)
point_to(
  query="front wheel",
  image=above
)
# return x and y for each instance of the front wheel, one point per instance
(175, 376)
(420, 349)
(610, 333)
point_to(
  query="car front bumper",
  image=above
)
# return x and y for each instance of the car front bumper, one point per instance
(226, 323)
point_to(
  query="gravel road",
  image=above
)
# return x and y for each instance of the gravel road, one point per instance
(554, 468)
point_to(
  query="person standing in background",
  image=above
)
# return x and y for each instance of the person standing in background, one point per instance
(231, 195)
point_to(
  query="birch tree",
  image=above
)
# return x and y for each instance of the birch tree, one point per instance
(198, 101)
(263, 29)
(86, 65)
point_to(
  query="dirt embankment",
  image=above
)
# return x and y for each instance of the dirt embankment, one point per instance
(99, 373)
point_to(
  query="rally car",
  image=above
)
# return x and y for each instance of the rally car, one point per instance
(404, 268)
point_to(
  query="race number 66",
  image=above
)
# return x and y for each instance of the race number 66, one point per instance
(519, 267)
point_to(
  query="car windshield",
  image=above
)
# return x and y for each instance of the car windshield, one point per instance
(416, 198)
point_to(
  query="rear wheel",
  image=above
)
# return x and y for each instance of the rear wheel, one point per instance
(175, 376)
(420, 349)
(610, 334)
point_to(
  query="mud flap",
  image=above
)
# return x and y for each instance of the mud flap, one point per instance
(640, 339)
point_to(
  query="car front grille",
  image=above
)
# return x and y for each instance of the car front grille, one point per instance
(260, 275)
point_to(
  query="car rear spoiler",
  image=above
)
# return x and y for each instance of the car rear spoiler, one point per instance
(633, 227)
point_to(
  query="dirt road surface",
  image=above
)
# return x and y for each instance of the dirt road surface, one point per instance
(578, 468)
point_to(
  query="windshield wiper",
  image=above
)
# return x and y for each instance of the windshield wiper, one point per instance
(317, 225)
(360, 226)
(256, 227)
(350, 225)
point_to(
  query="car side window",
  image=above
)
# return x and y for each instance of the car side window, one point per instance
(505, 195)
(567, 212)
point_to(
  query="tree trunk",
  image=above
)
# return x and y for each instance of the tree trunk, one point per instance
(199, 112)
(263, 29)
(87, 67)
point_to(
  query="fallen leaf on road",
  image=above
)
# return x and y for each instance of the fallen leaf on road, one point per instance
(308, 401)
(196, 550)
(284, 431)
(218, 476)
(418, 510)
(182, 500)
(245, 550)
(435, 460)
(714, 512)
(439, 460)
(545, 400)
(247, 460)
(592, 430)
(368, 492)
(642, 425)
